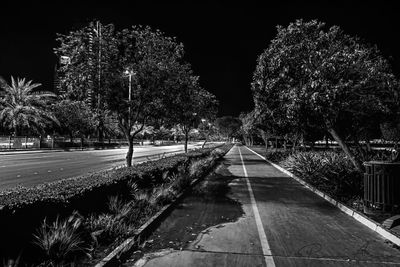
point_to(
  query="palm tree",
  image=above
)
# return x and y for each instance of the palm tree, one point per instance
(23, 108)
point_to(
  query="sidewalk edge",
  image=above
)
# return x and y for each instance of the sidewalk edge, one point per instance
(374, 226)
(113, 258)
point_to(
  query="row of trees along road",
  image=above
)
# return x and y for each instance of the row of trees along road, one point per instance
(164, 89)
(114, 81)
(313, 80)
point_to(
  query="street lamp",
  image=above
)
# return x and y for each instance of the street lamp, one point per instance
(129, 73)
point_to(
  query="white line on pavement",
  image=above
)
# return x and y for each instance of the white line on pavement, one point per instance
(255, 153)
(269, 260)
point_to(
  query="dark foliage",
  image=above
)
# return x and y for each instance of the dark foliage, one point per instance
(23, 210)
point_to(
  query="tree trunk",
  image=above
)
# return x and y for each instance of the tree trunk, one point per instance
(264, 137)
(326, 142)
(81, 143)
(346, 149)
(129, 154)
(186, 141)
(16, 131)
(100, 130)
(204, 143)
(368, 145)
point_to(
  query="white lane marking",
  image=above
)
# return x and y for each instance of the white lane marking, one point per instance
(256, 153)
(269, 260)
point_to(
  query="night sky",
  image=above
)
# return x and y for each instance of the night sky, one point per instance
(222, 40)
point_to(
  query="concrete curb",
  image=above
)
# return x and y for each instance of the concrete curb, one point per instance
(114, 258)
(374, 226)
(117, 255)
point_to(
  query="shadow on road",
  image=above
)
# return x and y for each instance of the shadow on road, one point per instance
(207, 205)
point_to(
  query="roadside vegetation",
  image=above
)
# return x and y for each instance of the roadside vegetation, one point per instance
(80, 219)
(111, 84)
(325, 102)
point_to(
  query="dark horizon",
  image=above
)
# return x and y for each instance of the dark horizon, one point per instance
(222, 41)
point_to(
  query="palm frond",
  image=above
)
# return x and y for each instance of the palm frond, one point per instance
(24, 108)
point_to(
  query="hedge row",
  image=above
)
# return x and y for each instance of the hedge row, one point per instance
(330, 171)
(22, 210)
(65, 191)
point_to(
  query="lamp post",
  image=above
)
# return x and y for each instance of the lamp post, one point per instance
(129, 73)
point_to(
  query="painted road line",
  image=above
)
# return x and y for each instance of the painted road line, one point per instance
(374, 226)
(269, 260)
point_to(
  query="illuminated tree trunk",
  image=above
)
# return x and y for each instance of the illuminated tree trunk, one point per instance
(346, 149)
(186, 140)
(129, 154)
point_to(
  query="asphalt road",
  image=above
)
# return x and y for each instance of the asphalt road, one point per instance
(29, 169)
(250, 214)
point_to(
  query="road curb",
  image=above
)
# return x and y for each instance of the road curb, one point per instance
(116, 256)
(374, 226)
(119, 253)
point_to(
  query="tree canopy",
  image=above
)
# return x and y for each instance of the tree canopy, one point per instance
(228, 126)
(141, 78)
(22, 108)
(310, 76)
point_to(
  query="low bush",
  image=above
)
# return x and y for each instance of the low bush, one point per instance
(277, 155)
(114, 204)
(329, 171)
(62, 240)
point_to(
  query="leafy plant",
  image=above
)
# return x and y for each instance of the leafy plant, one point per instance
(330, 171)
(60, 240)
(63, 240)
(163, 195)
(117, 207)
(24, 108)
(106, 227)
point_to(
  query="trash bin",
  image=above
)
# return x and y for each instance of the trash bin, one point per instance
(381, 187)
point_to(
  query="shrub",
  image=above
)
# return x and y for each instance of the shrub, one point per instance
(330, 171)
(61, 240)
(277, 156)
(106, 227)
(118, 201)
(163, 195)
(117, 207)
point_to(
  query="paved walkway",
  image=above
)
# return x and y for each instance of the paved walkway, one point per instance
(251, 214)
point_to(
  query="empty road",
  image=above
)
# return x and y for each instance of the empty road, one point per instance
(251, 214)
(29, 169)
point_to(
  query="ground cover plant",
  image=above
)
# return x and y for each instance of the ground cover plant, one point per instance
(329, 171)
(69, 220)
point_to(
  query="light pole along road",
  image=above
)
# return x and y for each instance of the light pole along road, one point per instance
(30, 169)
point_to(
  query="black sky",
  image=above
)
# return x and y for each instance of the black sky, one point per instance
(222, 40)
